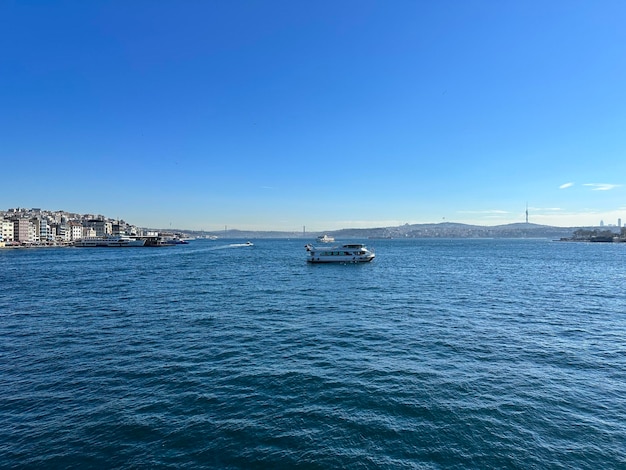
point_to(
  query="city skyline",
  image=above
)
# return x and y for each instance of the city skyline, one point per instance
(275, 116)
(63, 219)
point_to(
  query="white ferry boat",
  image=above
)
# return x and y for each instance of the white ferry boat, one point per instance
(109, 241)
(348, 253)
(325, 239)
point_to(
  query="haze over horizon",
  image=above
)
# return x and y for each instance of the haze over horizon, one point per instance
(277, 115)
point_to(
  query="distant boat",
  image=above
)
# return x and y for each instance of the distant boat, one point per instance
(348, 253)
(325, 239)
(113, 241)
(249, 244)
(172, 241)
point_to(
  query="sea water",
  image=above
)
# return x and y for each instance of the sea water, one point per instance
(438, 354)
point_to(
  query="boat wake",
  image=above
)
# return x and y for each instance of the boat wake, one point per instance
(230, 245)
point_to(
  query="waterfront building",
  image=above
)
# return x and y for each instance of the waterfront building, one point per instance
(58, 232)
(101, 227)
(43, 231)
(6, 230)
(118, 229)
(34, 224)
(23, 231)
(75, 231)
(89, 232)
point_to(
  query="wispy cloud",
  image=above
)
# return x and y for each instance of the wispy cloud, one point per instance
(602, 186)
(566, 185)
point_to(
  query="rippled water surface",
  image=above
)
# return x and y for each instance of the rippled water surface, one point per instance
(438, 354)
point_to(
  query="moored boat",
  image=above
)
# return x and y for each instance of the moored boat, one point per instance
(347, 253)
(113, 241)
(172, 241)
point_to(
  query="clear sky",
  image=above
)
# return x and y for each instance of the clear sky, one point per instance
(326, 114)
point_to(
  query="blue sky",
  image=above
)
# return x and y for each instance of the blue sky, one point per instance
(328, 114)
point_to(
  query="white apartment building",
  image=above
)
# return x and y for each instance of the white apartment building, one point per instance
(74, 231)
(6, 230)
(33, 234)
(34, 227)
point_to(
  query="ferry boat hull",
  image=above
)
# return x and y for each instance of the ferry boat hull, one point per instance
(348, 253)
(109, 242)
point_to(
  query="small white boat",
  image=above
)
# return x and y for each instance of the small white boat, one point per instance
(325, 239)
(348, 253)
(116, 241)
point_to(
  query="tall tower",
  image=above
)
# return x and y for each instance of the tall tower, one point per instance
(526, 212)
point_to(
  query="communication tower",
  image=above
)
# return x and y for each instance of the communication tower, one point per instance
(526, 212)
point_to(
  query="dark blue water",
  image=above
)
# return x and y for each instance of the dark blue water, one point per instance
(439, 354)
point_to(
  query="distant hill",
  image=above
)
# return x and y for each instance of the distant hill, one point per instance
(439, 230)
(456, 230)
